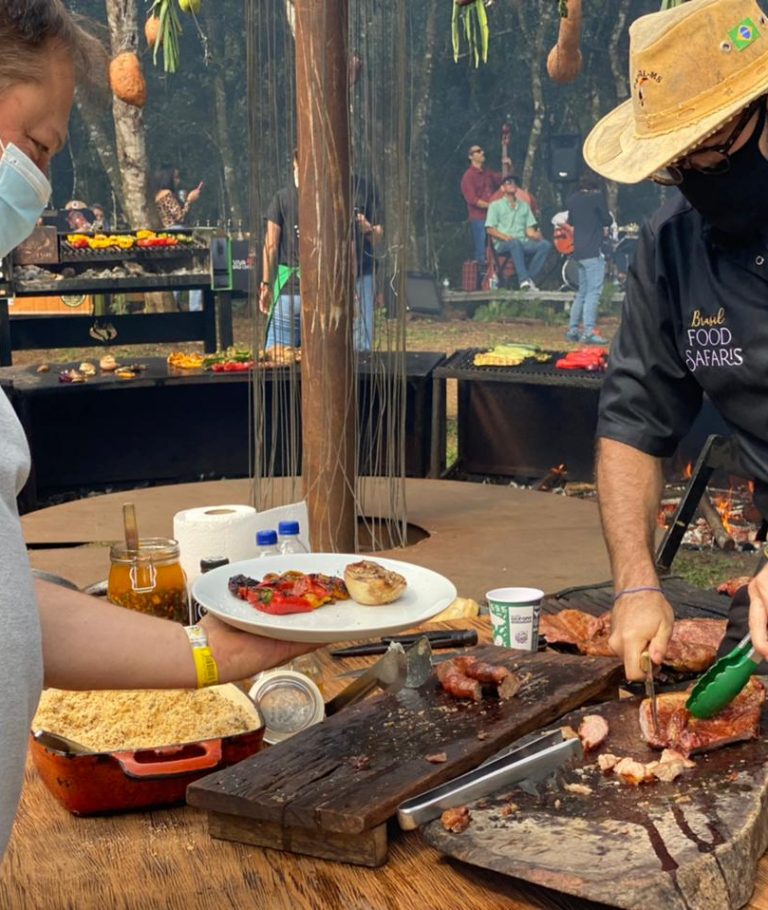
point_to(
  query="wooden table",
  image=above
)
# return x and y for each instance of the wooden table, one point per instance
(165, 859)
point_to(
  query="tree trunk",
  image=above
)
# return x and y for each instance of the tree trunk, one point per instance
(535, 43)
(327, 388)
(122, 16)
(420, 222)
(234, 210)
(616, 60)
(102, 143)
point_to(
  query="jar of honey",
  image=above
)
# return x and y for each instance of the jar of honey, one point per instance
(149, 579)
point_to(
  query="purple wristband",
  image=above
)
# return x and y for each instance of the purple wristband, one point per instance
(636, 591)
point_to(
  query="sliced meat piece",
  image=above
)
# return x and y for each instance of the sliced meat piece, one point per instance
(483, 672)
(731, 586)
(694, 643)
(456, 820)
(679, 730)
(593, 731)
(673, 755)
(569, 733)
(607, 762)
(438, 758)
(456, 683)
(692, 647)
(669, 770)
(570, 627)
(511, 685)
(632, 772)
(579, 789)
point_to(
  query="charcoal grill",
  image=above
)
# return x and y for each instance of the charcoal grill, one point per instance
(522, 421)
(71, 271)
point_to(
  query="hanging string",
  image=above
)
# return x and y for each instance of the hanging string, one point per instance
(378, 186)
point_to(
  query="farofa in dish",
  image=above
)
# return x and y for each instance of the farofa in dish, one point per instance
(111, 720)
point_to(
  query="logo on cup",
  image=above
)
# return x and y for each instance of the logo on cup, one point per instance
(521, 637)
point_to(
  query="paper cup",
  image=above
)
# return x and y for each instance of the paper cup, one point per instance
(515, 617)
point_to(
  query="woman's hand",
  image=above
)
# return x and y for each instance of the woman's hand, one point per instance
(241, 654)
(194, 195)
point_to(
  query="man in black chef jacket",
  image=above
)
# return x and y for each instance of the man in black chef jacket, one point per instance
(695, 318)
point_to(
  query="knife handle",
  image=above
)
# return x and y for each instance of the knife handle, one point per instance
(447, 639)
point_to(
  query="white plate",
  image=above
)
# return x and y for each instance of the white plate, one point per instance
(426, 595)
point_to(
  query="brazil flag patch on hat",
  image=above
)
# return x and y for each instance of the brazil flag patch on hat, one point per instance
(744, 34)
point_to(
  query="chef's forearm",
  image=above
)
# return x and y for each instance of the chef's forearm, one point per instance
(629, 486)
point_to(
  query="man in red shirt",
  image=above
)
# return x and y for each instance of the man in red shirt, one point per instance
(478, 186)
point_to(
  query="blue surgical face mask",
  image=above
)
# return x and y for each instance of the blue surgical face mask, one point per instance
(24, 191)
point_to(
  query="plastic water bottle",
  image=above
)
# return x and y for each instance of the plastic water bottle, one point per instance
(266, 543)
(288, 533)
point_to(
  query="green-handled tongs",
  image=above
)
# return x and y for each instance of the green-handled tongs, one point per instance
(718, 687)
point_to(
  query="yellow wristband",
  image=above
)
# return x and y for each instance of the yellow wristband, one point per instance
(205, 664)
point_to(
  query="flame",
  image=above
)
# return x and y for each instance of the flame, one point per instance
(724, 505)
(688, 471)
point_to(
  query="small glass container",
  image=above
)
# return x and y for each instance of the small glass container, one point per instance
(287, 701)
(149, 579)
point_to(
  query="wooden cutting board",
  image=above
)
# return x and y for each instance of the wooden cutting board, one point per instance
(329, 790)
(692, 844)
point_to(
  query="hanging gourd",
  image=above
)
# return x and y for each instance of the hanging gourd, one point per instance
(152, 31)
(470, 17)
(127, 80)
(564, 60)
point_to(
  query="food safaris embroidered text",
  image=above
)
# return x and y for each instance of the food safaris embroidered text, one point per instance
(710, 342)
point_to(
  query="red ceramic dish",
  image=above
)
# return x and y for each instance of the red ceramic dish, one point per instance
(104, 782)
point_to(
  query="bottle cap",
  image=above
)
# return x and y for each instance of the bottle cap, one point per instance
(288, 527)
(288, 701)
(212, 562)
(266, 538)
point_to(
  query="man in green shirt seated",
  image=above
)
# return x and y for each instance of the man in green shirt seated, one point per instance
(512, 226)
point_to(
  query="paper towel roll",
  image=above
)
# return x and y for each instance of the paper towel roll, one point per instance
(214, 531)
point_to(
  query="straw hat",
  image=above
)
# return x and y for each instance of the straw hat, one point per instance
(691, 69)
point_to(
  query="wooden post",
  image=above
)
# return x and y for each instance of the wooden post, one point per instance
(327, 387)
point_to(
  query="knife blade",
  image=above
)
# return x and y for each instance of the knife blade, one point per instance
(436, 659)
(447, 639)
(646, 665)
(533, 761)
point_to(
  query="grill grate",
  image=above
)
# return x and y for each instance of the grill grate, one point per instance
(460, 365)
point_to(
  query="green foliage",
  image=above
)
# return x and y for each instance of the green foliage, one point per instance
(709, 568)
(474, 20)
(170, 32)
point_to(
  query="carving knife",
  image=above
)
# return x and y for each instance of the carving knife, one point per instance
(646, 666)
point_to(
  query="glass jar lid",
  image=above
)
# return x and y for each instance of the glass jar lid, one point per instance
(288, 701)
(158, 550)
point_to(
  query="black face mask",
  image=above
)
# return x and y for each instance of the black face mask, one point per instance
(735, 203)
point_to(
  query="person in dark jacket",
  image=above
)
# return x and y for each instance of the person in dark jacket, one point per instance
(588, 215)
(694, 319)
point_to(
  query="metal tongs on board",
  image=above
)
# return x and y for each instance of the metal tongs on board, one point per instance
(532, 761)
(646, 666)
